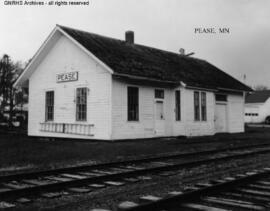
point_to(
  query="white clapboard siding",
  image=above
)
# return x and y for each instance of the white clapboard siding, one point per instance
(145, 127)
(198, 128)
(65, 56)
(235, 113)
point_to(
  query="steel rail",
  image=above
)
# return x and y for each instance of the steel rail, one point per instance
(195, 195)
(36, 174)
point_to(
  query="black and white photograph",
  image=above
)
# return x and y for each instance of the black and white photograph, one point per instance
(127, 105)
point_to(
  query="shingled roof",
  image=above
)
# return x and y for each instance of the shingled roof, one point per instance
(143, 61)
(258, 96)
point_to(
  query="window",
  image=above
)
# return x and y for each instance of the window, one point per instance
(251, 114)
(133, 104)
(220, 97)
(196, 106)
(81, 104)
(200, 106)
(159, 93)
(49, 106)
(203, 105)
(177, 105)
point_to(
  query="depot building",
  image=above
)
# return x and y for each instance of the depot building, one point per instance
(87, 86)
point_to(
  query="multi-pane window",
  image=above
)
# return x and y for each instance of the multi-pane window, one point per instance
(177, 105)
(159, 93)
(200, 112)
(221, 97)
(133, 104)
(81, 104)
(49, 106)
(196, 106)
(203, 105)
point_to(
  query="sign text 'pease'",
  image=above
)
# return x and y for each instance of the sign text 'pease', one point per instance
(65, 77)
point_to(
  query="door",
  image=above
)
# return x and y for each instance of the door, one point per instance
(159, 118)
(221, 118)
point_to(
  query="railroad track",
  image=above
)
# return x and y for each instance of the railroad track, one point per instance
(248, 191)
(24, 187)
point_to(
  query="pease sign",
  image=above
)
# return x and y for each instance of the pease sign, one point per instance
(65, 77)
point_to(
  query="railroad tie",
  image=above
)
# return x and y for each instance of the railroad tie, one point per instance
(6, 205)
(126, 205)
(201, 207)
(150, 198)
(233, 203)
(23, 200)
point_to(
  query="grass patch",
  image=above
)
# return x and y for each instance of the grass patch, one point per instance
(22, 153)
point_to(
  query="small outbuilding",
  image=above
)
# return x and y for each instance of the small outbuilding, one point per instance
(87, 86)
(257, 107)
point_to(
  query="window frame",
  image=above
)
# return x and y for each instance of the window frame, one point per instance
(200, 106)
(81, 104)
(203, 106)
(132, 104)
(221, 97)
(161, 92)
(177, 105)
(49, 106)
(197, 113)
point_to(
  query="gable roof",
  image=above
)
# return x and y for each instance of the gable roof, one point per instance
(139, 62)
(258, 96)
(142, 61)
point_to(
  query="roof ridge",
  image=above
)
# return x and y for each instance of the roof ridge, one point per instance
(135, 44)
(61, 26)
(142, 60)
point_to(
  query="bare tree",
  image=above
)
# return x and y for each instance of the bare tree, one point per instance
(260, 88)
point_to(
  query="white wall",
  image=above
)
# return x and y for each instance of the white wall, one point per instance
(65, 56)
(199, 128)
(145, 127)
(254, 108)
(235, 113)
(123, 129)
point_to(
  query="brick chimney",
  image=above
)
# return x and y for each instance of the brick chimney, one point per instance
(130, 37)
(182, 51)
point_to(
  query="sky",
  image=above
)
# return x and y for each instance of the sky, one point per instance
(164, 24)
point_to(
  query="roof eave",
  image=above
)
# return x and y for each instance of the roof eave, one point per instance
(24, 77)
(21, 80)
(235, 90)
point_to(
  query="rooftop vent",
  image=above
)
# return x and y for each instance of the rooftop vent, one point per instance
(130, 37)
(183, 52)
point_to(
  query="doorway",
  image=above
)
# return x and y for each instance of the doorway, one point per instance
(159, 118)
(221, 118)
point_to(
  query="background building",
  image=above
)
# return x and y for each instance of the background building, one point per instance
(257, 107)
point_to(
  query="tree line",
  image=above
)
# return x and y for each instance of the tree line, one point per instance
(10, 97)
